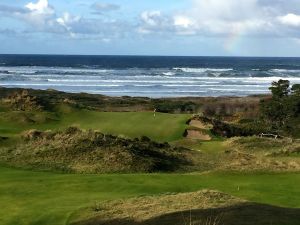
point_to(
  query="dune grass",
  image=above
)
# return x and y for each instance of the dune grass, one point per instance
(162, 127)
(47, 198)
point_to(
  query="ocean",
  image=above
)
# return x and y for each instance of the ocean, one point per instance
(148, 76)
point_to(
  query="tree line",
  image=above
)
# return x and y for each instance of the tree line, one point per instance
(282, 110)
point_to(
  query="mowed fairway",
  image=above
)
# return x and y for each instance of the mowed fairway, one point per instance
(162, 127)
(48, 198)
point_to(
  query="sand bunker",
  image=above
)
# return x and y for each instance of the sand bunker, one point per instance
(199, 124)
(197, 135)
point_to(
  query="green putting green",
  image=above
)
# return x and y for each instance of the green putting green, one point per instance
(161, 127)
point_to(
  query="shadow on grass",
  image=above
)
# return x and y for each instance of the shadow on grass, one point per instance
(242, 214)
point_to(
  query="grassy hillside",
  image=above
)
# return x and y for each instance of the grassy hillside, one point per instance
(52, 198)
(162, 127)
(205, 207)
(45, 198)
(78, 151)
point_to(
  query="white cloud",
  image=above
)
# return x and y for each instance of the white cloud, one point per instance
(229, 10)
(290, 20)
(181, 21)
(154, 21)
(40, 16)
(213, 18)
(151, 18)
(41, 7)
(219, 18)
(67, 21)
(100, 7)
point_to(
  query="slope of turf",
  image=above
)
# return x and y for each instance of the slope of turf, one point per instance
(161, 127)
(204, 207)
(49, 198)
(79, 151)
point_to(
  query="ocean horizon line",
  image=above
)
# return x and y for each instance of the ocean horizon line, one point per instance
(147, 55)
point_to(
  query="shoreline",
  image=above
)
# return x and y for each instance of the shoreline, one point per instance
(5, 90)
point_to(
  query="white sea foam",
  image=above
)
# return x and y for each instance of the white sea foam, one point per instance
(168, 73)
(284, 71)
(220, 85)
(59, 78)
(211, 82)
(63, 77)
(122, 81)
(201, 70)
(19, 71)
(79, 80)
(60, 85)
(100, 91)
(40, 69)
(237, 90)
(144, 85)
(147, 82)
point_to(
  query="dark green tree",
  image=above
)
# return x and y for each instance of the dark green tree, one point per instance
(295, 100)
(282, 111)
(296, 90)
(280, 89)
(276, 111)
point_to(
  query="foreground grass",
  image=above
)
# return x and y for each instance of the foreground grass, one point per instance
(162, 127)
(49, 198)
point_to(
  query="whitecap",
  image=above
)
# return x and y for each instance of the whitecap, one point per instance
(284, 71)
(61, 85)
(201, 70)
(168, 73)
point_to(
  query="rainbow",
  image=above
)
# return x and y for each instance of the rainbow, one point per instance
(233, 40)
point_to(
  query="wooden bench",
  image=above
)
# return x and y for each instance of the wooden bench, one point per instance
(270, 136)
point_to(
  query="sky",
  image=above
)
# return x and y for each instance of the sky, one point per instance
(151, 27)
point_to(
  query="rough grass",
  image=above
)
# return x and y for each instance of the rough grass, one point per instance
(81, 151)
(46, 198)
(204, 207)
(239, 214)
(246, 154)
(254, 153)
(142, 209)
(162, 127)
(267, 146)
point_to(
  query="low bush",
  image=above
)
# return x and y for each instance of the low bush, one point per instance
(229, 130)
